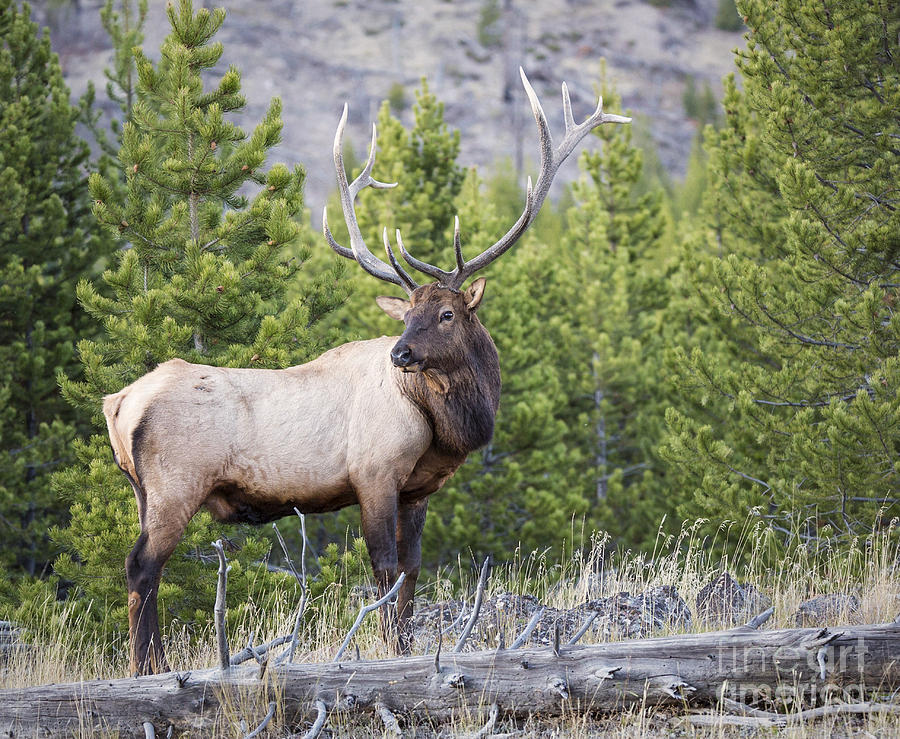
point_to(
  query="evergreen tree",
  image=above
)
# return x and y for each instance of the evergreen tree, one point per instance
(125, 30)
(741, 212)
(689, 194)
(522, 490)
(615, 251)
(578, 325)
(200, 276)
(48, 240)
(422, 161)
(801, 265)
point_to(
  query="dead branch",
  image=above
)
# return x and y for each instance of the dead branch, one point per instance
(319, 723)
(219, 608)
(437, 651)
(488, 728)
(265, 722)
(263, 666)
(365, 610)
(250, 652)
(459, 617)
(288, 655)
(479, 595)
(523, 637)
(246, 653)
(583, 630)
(760, 618)
(766, 718)
(304, 591)
(388, 719)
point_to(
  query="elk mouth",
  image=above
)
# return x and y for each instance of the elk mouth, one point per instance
(404, 359)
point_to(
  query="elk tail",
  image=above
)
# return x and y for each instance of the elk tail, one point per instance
(121, 447)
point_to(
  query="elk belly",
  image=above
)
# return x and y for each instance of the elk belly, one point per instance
(230, 503)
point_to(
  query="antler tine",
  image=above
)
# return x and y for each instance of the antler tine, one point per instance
(543, 128)
(567, 108)
(429, 269)
(442, 276)
(348, 191)
(574, 133)
(462, 273)
(364, 179)
(457, 245)
(342, 250)
(410, 282)
(551, 159)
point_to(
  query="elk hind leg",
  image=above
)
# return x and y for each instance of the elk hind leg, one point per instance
(143, 569)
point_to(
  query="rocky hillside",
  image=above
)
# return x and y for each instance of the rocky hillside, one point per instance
(316, 54)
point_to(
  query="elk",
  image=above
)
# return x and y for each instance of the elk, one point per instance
(381, 423)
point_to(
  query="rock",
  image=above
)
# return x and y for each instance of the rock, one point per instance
(825, 609)
(504, 616)
(10, 639)
(627, 616)
(725, 602)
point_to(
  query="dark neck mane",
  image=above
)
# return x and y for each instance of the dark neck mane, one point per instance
(462, 418)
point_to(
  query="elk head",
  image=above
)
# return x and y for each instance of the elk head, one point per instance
(440, 324)
(433, 312)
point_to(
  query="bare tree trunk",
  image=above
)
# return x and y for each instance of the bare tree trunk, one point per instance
(194, 219)
(703, 669)
(602, 456)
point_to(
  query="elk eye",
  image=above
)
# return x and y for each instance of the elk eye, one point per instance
(447, 315)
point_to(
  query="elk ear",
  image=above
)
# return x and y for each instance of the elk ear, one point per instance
(394, 307)
(474, 294)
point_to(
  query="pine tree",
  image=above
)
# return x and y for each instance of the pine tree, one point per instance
(49, 240)
(741, 212)
(200, 276)
(422, 161)
(577, 323)
(614, 307)
(803, 269)
(520, 491)
(125, 28)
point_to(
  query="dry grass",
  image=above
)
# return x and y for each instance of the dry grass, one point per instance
(870, 570)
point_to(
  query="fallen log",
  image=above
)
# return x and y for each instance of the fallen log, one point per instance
(710, 669)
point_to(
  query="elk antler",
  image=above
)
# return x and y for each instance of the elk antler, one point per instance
(359, 251)
(551, 159)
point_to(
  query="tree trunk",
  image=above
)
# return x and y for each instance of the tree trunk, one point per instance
(742, 664)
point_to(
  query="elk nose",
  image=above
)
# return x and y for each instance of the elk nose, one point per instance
(401, 355)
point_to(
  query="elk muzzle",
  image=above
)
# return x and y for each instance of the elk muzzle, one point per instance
(403, 357)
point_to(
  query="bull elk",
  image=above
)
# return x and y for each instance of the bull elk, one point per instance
(382, 423)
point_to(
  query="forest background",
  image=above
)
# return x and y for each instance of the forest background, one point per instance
(717, 351)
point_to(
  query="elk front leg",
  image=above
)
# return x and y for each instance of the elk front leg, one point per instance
(379, 524)
(410, 523)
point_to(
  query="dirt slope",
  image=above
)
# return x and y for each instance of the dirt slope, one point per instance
(316, 54)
